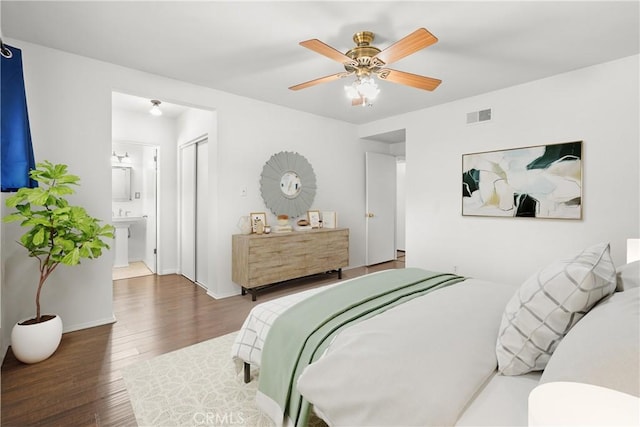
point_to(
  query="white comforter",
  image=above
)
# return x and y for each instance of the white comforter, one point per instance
(249, 342)
(420, 363)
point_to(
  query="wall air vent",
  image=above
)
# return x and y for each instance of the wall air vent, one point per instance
(480, 116)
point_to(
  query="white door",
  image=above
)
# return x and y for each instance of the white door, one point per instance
(188, 212)
(380, 177)
(149, 205)
(202, 217)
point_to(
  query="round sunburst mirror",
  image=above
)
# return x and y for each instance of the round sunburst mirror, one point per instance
(288, 184)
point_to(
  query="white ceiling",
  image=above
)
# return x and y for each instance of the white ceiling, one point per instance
(251, 48)
(122, 101)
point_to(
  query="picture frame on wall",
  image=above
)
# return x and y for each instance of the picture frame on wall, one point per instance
(314, 218)
(255, 216)
(329, 219)
(543, 181)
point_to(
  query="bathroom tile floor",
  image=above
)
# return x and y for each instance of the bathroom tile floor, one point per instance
(135, 269)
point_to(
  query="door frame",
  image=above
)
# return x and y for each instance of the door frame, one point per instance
(157, 195)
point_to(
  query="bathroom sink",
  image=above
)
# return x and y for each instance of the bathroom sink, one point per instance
(122, 223)
(125, 221)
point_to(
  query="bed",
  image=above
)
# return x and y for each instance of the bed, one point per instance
(445, 356)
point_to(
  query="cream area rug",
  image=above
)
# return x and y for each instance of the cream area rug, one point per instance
(194, 386)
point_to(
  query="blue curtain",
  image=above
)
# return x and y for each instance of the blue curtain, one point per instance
(16, 157)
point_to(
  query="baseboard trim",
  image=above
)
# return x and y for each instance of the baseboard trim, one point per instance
(88, 325)
(216, 296)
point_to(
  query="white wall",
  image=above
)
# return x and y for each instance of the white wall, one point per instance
(249, 133)
(69, 100)
(598, 105)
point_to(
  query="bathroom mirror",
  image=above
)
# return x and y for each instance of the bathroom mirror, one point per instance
(120, 184)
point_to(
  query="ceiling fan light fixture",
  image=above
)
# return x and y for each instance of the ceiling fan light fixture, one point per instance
(155, 109)
(352, 91)
(368, 88)
(363, 87)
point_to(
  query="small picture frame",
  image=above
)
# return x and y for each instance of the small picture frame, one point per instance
(329, 219)
(255, 216)
(314, 218)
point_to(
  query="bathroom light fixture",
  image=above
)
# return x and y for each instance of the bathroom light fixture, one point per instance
(363, 89)
(117, 158)
(155, 109)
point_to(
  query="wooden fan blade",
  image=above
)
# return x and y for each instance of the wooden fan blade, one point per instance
(408, 79)
(326, 50)
(324, 79)
(415, 41)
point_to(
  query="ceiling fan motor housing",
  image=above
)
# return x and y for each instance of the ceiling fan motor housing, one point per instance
(363, 53)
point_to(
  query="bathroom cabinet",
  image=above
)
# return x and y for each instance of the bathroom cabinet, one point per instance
(261, 260)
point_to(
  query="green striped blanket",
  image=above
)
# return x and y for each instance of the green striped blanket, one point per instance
(302, 333)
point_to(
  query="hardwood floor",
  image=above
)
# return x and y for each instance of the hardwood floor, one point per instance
(81, 384)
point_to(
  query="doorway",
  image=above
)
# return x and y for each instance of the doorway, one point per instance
(134, 208)
(380, 193)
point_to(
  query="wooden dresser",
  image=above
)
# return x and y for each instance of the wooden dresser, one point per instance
(260, 260)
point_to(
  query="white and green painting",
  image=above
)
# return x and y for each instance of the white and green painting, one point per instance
(544, 181)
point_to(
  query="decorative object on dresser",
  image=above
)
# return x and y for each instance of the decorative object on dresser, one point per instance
(288, 184)
(329, 219)
(244, 225)
(283, 224)
(303, 224)
(543, 181)
(258, 217)
(314, 218)
(259, 261)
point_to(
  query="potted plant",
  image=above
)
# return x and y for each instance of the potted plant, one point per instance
(58, 233)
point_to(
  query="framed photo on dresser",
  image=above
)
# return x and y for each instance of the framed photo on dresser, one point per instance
(314, 218)
(329, 219)
(255, 217)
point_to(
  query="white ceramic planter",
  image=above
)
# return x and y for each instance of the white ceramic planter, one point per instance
(35, 343)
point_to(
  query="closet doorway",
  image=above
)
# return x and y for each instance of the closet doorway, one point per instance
(194, 177)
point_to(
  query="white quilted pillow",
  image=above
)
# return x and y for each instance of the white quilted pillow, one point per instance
(628, 276)
(548, 304)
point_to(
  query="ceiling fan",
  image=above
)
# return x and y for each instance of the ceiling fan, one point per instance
(365, 60)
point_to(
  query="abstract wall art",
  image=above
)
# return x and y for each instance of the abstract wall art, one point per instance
(543, 181)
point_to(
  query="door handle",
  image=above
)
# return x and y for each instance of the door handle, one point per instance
(369, 215)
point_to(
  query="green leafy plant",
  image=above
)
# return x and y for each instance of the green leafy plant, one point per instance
(58, 233)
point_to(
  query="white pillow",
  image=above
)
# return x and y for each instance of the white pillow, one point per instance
(548, 304)
(628, 276)
(603, 349)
